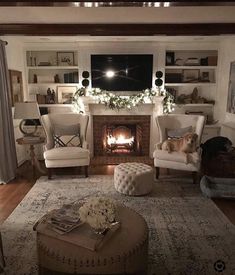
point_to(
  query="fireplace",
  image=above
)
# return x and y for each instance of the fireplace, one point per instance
(120, 135)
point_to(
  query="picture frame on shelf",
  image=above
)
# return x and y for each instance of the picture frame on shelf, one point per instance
(65, 94)
(231, 90)
(16, 87)
(65, 58)
(170, 58)
(205, 76)
(191, 76)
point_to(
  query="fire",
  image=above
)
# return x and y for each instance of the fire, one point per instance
(119, 140)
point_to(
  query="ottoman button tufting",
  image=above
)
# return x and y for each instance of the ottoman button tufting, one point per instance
(133, 178)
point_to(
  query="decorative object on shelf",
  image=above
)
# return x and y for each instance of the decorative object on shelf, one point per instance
(56, 78)
(44, 63)
(231, 90)
(99, 213)
(193, 98)
(16, 86)
(35, 78)
(179, 62)
(173, 76)
(27, 111)
(192, 61)
(204, 76)
(35, 61)
(212, 60)
(65, 94)
(190, 76)
(158, 81)
(124, 102)
(65, 58)
(50, 97)
(170, 58)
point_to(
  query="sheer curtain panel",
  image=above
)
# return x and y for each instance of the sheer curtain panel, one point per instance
(8, 160)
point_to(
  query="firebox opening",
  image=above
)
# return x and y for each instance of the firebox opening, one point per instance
(122, 139)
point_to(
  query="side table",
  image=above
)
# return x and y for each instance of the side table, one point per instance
(32, 142)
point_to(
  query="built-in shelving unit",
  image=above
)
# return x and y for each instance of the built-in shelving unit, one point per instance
(51, 74)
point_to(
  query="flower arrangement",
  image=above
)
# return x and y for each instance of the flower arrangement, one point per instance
(98, 212)
(118, 102)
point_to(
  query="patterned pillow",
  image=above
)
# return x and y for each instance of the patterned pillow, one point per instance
(67, 141)
(67, 135)
(179, 132)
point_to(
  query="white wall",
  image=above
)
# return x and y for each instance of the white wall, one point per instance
(226, 56)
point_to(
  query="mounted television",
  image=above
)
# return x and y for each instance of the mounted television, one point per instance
(122, 72)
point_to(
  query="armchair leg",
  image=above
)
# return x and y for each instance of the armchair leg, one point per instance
(49, 173)
(157, 172)
(86, 171)
(195, 177)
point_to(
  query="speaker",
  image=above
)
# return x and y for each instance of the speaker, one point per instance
(85, 81)
(158, 81)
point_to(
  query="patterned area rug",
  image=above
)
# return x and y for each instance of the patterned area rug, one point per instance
(188, 233)
(113, 160)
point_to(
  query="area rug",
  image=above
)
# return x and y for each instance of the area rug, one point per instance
(114, 160)
(188, 234)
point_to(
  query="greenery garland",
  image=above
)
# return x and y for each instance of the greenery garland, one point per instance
(118, 102)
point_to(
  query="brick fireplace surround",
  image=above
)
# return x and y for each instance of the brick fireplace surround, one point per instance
(101, 121)
(144, 114)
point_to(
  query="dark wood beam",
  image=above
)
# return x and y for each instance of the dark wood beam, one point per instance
(118, 29)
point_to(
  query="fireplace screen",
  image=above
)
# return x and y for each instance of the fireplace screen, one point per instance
(121, 134)
(121, 139)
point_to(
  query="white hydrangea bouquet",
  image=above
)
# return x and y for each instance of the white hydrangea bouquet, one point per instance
(98, 212)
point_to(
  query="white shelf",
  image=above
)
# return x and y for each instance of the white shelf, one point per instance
(196, 105)
(55, 105)
(191, 67)
(52, 83)
(53, 67)
(190, 84)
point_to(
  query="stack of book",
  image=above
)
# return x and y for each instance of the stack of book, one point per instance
(65, 219)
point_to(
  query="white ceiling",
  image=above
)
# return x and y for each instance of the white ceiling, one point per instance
(47, 15)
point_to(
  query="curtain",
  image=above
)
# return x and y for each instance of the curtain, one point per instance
(8, 160)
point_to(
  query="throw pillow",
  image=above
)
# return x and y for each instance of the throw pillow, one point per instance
(179, 132)
(67, 141)
(67, 135)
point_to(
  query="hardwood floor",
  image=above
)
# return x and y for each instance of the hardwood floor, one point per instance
(12, 194)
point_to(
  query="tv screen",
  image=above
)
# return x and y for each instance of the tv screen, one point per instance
(132, 72)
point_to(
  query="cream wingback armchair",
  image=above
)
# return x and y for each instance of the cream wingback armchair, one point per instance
(61, 148)
(178, 160)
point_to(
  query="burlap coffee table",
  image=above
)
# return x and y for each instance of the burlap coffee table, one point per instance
(126, 252)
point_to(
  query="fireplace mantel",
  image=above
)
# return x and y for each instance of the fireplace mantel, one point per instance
(91, 103)
(93, 107)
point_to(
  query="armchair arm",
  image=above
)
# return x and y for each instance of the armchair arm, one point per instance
(84, 144)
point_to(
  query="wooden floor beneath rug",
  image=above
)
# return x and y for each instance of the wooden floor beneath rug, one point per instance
(12, 194)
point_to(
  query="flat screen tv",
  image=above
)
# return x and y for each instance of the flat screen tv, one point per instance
(122, 72)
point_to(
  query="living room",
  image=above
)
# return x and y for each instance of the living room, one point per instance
(54, 56)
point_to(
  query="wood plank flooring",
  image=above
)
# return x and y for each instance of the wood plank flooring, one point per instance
(12, 194)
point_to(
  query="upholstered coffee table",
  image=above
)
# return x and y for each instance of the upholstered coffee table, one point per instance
(133, 178)
(126, 252)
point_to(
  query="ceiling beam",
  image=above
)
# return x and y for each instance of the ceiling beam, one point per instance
(118, 29)
(108, 3)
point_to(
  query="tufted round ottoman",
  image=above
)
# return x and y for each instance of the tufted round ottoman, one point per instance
(126, 252)
(133, 179)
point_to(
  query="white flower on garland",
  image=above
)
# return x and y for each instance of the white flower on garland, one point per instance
(98, 212)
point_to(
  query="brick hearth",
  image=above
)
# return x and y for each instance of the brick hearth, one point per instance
(100, 122)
